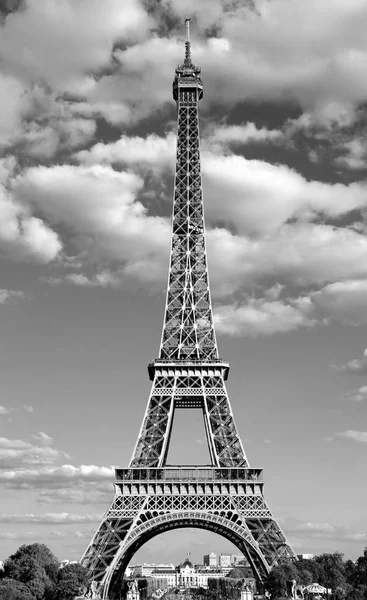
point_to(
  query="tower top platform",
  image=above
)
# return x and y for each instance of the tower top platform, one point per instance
(187, 75)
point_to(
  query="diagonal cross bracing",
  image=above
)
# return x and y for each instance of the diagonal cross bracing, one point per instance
(188, 330)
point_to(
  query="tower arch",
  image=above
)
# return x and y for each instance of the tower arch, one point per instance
(228, 525)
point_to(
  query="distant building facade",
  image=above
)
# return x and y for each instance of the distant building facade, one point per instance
(185, 576)
(239, 559)
(305, 556)
(210, 560)
(146, 569)
(225, 560)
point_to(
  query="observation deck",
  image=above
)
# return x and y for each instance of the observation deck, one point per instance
(213, 366)
(189, 474)
(190, 483)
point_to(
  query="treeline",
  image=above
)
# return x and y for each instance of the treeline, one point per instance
(346, 580)
(34, 573)
(225, 587)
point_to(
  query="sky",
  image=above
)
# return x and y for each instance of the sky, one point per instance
(87, 155)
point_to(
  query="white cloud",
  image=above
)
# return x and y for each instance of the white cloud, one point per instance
(31, 535)
(16, 453)
(357, 436)
(12, 106)
(98, 205)
(262, 197)
(259, 317)
(6, 295)
(49, 518)
(5, 410)
(81, 492)
(359, 395)
(101, 279)
(55, 476)
(66, 40)
(345, 301)
(355, 154)
(243, 134)
(322, 530)
(22, 236)
(356, 366)
(43, 139)
(300, 254)
(152, 152)
(43, 438)
(255, 57)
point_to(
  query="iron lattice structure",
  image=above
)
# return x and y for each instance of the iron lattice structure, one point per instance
(151, 497)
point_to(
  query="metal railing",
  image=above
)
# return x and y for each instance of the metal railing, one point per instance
(190, 474)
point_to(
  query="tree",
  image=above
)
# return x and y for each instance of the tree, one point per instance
(36, 567)
(10, 589)
(350, 571)
(332, 570)
(71, 579)
(360, 572)
(356, 593)
(304, 574)
(279, 580)
(240, 572)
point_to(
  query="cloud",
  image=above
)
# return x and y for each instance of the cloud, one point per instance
(13, 104)
(243, 134)
(322, 530)
(102, 279)
(6, 295)
(355, 154)
(43, 438)
(22, 236)
(357, 366)
(31, 535)
(297, 254)
(260, 317)
(253, 57)
(44, 139)
(112, 62)
(273, 211)
(55, 476)
(357, 436)
(359, 395)
(81, 492)
(6, 410)
(16, 453)
(98, 206)
(150, 152)
(49, 518)
(67, 41)
(263, 197)
(344, 301)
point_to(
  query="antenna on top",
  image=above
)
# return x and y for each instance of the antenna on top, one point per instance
(187, 43)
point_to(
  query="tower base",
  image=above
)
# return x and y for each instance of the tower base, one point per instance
(147, 502)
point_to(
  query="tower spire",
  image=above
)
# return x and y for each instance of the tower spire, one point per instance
(187, 60)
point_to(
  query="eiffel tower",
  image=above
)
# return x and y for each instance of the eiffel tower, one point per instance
(150, 496)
